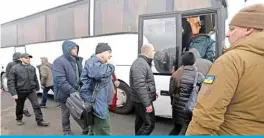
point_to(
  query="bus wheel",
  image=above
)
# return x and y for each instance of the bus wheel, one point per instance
(4, 82)
(124, 104)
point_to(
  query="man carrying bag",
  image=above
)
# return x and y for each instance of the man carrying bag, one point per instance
(97, 71)
(80, 110)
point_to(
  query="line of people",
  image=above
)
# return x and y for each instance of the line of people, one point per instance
(230, 100)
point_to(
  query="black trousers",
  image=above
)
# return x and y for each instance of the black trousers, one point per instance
(178, 129)
(45, 95)
(32, 96)
(145, 122)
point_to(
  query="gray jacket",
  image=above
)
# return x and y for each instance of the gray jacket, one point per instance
(46, 75)
(142, 81)
(203, 65)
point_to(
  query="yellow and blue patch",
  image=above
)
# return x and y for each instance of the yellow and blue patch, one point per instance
(209, 79)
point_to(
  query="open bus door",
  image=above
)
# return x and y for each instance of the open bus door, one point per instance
(164, 31)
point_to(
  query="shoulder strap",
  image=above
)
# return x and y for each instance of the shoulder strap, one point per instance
(195, 80)
(95, 91)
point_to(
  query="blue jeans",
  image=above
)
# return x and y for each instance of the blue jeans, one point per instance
(45, 94)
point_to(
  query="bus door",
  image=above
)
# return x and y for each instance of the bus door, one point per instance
(207, 24)
(161, 30)
(165, 31)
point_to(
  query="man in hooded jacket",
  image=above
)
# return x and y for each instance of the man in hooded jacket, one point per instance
(16, 60)
(230, 101)
(66, 80)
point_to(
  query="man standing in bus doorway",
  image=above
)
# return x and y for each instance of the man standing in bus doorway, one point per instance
(46, 78)
(98, 73)
(143, 90)
(16, 60)
(201, 41)
(66, 80)
(23, 84)
(230, 101)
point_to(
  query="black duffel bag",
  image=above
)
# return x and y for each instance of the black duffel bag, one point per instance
(81, 111)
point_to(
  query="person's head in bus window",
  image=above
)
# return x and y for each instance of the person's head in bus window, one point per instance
(148, 50)
(103, 51)
(195, 24)
(240, 25)
(188, 59)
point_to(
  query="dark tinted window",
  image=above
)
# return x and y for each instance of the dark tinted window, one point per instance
(31, 30)
(8, 35)
(60, 25)
(133, 8)
(81, 20)
(108, 16)
(180, 5)
(68, 22)
(162, 34)
(124, 14)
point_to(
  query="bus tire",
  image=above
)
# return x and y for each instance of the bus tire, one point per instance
(123, 93)
(4, 82)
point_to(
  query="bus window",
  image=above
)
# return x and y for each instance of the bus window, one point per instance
(161, 33)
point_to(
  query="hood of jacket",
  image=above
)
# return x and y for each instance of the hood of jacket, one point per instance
(253, 43)
(190, 68)
(66, 49)
(195, 52)
(16, 56)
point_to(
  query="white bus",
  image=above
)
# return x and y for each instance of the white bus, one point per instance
(163, 30)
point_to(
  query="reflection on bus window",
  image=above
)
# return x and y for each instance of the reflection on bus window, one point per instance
(162, 34)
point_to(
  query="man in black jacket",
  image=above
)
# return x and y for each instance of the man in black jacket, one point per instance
(16, 60)
(143, 90)
(23, 84)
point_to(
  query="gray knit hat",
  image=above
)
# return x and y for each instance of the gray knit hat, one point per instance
(102, 47)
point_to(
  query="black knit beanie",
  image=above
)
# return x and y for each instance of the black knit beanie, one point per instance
(102, 47)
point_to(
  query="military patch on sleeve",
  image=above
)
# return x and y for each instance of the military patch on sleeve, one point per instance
(209, 79)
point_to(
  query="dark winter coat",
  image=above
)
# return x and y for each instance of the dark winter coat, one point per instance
(142, 81)
(180, 89)
(64, 73)
(22, 79)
